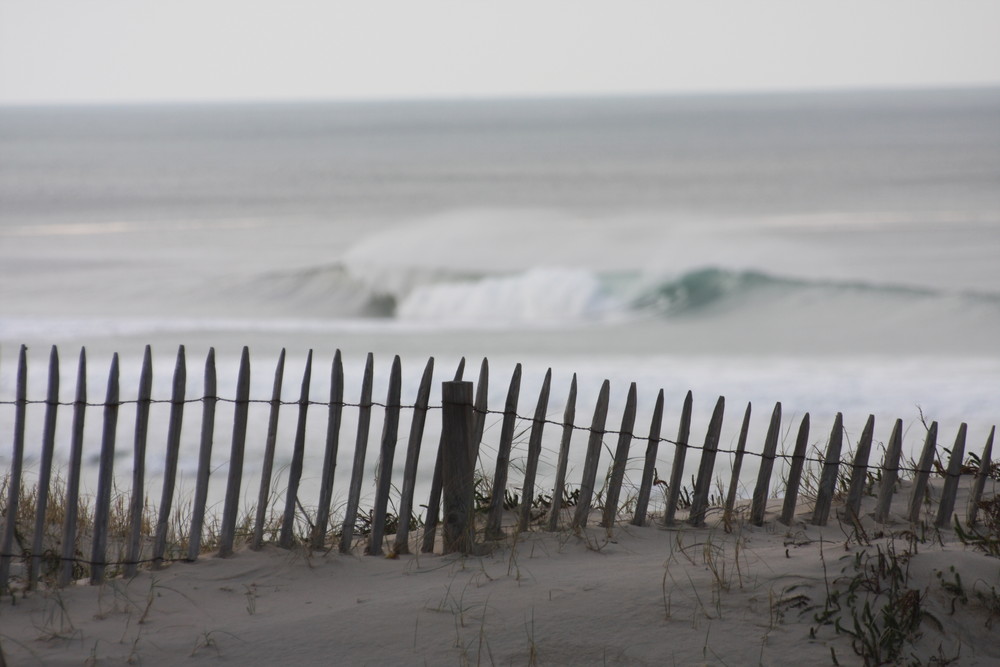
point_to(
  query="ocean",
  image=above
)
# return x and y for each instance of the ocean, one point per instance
(837, 252)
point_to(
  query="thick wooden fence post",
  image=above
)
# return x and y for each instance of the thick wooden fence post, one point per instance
(923, 473)
(102, 504)
(890, 473)
(734, 480)
(534, 451)
(45, 468)
(795, 473)
(593, 456)
(334, 417)
(17, 459)
(649, 466)
(457, 470)
(760, 492)
(383, 480)
(950, 488)
(569, 415)
(703, 483)
(677, 468)
(985, 465)
(138, 500)
(298, 456)
(230, 511)
(204, 457)
(270, 444)
(360, 450)
(494, 517)
(434, 497)
(173, 451)
(859, 470)
(828, 478)
(401, 545)
(620, 460)
(73, 475)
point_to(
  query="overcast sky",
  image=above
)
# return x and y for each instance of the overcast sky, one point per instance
(190, 50)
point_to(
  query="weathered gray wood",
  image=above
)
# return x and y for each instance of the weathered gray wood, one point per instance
(138, 499)
(859, 470)
(230, 510)
(482, 405)
(760, 492)
(593, 456)
(734, 480)
(204, 457)
(102, 504)
(73, 474)
(703, 482)
(383, 480)
(270, 444)
(401, 545)
(434, 498)
(569, 415)
(173, 452)
(298, 456)
(360, 449)
(17, 461)
(950, 488)
(610, 515)
(45, 468)
(457, 472)
(985, 463)
(534, 451)
(828, 478)
(494, 517)
(334, 418)
(890, 473)
(923, 473)
(649, 466)
(677, 468)
(795, 473)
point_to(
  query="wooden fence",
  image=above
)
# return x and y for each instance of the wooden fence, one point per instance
(452, 487)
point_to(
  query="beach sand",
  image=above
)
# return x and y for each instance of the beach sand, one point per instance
(771, 595)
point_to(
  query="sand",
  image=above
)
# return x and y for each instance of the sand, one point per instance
(639, 595)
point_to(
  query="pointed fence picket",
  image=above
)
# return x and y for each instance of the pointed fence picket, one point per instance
(464, 413)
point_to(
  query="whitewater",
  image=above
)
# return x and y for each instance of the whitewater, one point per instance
(834, 251)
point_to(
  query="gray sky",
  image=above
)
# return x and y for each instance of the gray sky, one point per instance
(185, 50)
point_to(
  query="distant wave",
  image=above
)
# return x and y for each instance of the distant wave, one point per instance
(549, 295)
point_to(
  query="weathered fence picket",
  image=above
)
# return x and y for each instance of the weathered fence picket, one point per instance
(333, 420)
(481, 407)
(593, 456)
(760, 492)
(172, 453)
(985, 465)
(138, 496)
(919, 490)
(270, 444)
(734, 480)
(649, 464)
(559, 488)
(795, 473)
(859, 470)
(73, 474)
(383, 478)
(677, 467)
(102, 503)
(620, 460)
(17, 461)
(45, 467)
(401, 545)
(828, 476)
(534, 451)
(298, 456)
(950, 488)
(495, 512)
(242, 408)
(360, 449)
(703, 482)
(890, 473)
(204, 457)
